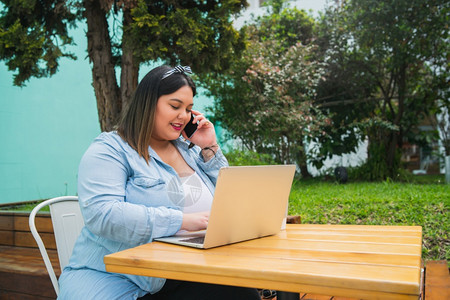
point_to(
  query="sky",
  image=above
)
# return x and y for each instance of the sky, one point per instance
(314, 5)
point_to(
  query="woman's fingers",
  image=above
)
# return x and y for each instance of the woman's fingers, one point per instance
(195, 221)
(200, 119)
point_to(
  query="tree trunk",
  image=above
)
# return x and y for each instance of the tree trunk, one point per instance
(130, 67)
(391, 154)
(304, 171)
(104, 80)
(302, 161)
(394, 138)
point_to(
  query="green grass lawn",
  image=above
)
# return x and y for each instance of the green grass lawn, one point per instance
(385, 203)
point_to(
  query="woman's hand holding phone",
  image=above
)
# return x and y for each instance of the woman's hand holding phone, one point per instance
(204, 135)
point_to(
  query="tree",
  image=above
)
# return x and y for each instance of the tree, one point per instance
(287, 26)
(343, 90)
(266, 99)
(390, 46)
(33, 36)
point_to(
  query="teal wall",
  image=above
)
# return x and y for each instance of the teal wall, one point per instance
(46, 126)
(44, 129)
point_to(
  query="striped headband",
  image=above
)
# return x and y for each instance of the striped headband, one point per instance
(177, 69)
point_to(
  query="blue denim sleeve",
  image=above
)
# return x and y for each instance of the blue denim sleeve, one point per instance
(102, 179)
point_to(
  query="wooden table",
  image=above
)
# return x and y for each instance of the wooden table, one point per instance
(367, 262)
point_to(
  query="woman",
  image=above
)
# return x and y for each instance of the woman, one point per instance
(130, 188)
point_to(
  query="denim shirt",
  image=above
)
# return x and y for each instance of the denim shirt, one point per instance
(126, 202)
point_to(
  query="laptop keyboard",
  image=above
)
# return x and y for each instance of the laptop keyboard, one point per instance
(195, 240)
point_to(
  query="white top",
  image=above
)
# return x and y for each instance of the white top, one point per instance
(197, 196)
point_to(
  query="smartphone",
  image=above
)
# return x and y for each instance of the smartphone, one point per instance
(190, 127)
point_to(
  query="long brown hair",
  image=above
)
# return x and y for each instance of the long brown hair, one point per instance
(137, 122)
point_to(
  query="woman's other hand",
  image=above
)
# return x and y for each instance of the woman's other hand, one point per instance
(195, 221)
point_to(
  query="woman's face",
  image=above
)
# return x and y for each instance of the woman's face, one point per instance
(173, 111)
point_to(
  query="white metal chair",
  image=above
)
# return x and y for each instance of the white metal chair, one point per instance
(67, 224)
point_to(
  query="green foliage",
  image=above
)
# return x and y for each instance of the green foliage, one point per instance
(201, 34)
(265, 99)
(384, 59)
(248, 158)
(384, 203)
(287, 26)
(282, 87)
(33, 35)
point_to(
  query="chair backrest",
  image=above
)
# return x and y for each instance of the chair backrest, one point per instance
(67, 224)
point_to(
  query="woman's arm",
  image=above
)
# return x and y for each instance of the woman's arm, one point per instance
(102, 179)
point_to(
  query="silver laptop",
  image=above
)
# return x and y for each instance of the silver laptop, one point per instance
(249, 202)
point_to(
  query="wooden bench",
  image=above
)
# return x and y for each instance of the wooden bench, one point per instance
(23, 275)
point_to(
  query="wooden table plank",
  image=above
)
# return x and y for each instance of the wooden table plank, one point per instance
(378, 238)
(273, 284)
(352, 247)
(335, 274)
(310, 255)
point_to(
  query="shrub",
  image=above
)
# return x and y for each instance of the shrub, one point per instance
(246, 158)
